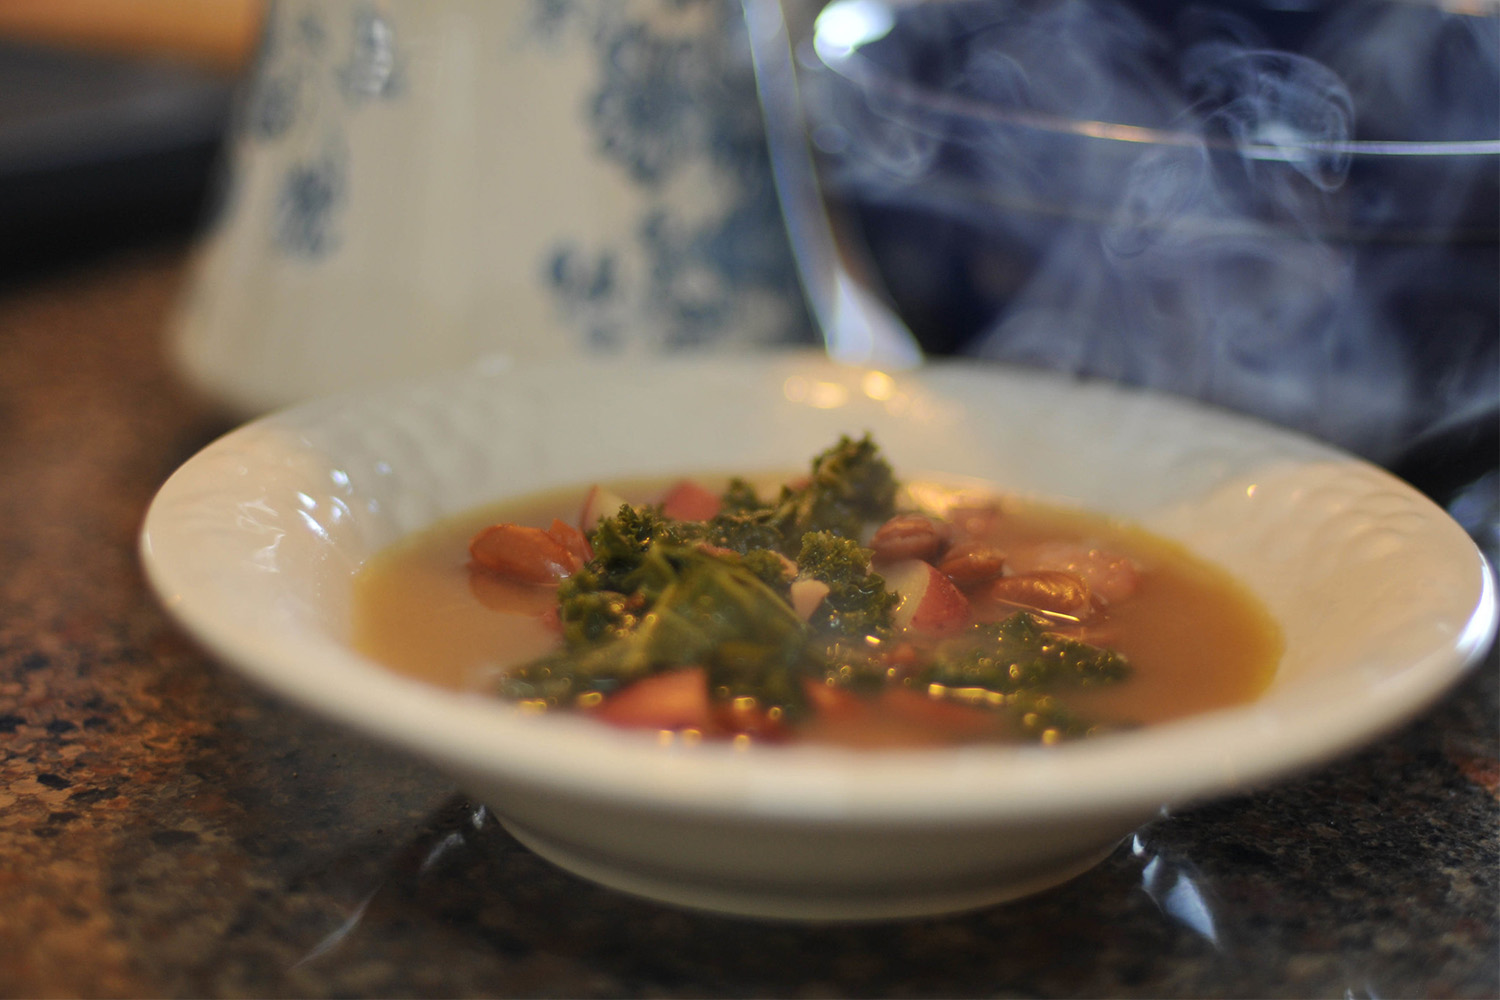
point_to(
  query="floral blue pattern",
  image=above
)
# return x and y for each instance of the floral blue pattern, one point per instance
(664, 104)
(310, 195)
(283, 107)
(669, 106)
(374, 69)
(643, 112)
(587, 281)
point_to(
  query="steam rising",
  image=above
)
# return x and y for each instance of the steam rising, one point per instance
(1293, 214)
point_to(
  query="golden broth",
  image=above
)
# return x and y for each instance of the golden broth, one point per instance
(1196, 638)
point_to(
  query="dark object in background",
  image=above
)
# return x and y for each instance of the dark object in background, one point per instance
(99, 153)
(1288, 210)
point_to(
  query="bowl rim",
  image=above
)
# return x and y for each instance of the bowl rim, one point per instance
(480, 738)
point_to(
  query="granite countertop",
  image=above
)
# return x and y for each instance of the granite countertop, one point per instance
(167, 830)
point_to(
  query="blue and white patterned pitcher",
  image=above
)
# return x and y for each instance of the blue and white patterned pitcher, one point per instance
(417, 185)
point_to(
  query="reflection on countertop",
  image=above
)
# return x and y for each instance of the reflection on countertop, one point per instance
(166, 830)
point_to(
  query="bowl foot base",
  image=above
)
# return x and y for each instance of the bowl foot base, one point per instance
(821, 904)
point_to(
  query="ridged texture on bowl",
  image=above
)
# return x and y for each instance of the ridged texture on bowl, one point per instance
(1382, 598)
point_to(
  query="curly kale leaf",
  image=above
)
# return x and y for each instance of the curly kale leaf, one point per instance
(620, 542)
(600, 601)
(1016, 665)
(1020, 654)
(744, 530)
(849, 485)
(685, 607)
(771, 568)
(740, 497)
(589, 613)
(858, 603)
(853, 476)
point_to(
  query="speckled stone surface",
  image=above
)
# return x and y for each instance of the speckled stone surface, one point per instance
(167, 831)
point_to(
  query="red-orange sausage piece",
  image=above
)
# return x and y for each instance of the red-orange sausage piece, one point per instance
(688, 501)
(523, 554)
(677, 699)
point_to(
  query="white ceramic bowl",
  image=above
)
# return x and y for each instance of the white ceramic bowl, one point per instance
(252, 545)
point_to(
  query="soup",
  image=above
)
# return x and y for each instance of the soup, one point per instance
(931, 615)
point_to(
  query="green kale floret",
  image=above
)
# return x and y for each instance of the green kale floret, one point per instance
(1019, 654)
(684, 607)
(589, 613)
(858, 603)
(850, 485)
(620, 542)
(853, 475)
(600, 601)
(740, 497)
(652, 598)
(744, 530)
(1015, 666)
(771, 568)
